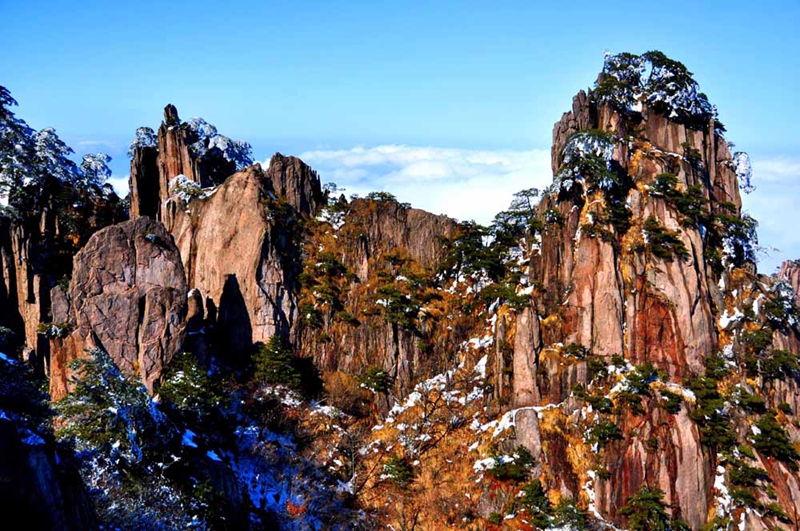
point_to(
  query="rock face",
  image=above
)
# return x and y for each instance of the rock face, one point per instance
(127, 296)
(603, 289)
(24, 287)
(182, 149)
(240, 248)
(145, 183)
(352, 260)
(613, 303)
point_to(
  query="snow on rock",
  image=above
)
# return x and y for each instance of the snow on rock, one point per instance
(208, 140)
(727, 319)
(213, 455)
(188, 439)
(145, 138)
(184, 189)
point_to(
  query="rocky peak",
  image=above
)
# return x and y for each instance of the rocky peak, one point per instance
(193, 149)
(171, 115)
(292, 180)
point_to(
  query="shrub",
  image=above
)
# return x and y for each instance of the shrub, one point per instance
(744, 475)
(757, 340)
(785, 408)
(534, 500)
(495, 518)
(773, 441)
(513, 470)
(568, 515)
(188, 388)
(645, 510)
(375, 379)
(743, 498)
(505, 292)
(752, 403)
(596, 368)
(310, 315)
(692, 204)
(387, 198)
(662, 243)
(618, 361)
(774, 510)
(601, 404)
(106, 411)
(53, 330)
(604, 433)
(398, 470)
(575, 350)
(708, 413)
(779, 365)
(274, 364)
(672, 401)
(632, 401)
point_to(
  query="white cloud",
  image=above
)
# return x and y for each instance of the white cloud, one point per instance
(120, 185)
(97, 143)
(462, 183)
(774, 204)
(778, 170)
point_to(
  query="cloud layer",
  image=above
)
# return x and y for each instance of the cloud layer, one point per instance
(462, 183)
(775, 204)
(476, 184)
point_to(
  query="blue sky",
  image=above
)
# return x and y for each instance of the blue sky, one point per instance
(467, 91)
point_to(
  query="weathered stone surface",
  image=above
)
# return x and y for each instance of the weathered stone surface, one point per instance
(292, 180)
(679, 466)
(387, 225)
(372, 230)
(527, 346)
(239, 253)
(128, 297)
(24, 287)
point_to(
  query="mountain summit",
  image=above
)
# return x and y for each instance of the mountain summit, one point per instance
(250, 350)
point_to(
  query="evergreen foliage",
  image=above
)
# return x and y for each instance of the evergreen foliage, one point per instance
(662, 243)
(274, 364)
(106, 411)
(375, 379)
(189, 390)
(535, 502)
(646, 512)
(399, 471)
(773, 441)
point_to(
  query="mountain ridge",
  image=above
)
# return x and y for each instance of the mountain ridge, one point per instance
(604, 354)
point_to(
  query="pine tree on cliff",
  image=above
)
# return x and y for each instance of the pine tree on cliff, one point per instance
(645, 511)
(106, 411)
(35, 164)
(274, 364)
(16, 150)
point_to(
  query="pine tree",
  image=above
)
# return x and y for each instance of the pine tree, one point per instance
(274, 364)
(106, 411)
(645, 510)
(534, 500)
(188, 388)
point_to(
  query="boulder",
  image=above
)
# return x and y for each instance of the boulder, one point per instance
(127, 296)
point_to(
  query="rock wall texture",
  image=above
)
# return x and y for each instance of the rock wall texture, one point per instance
(128, 296)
